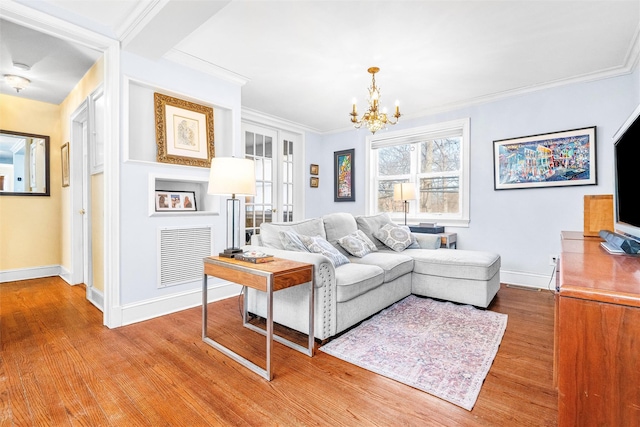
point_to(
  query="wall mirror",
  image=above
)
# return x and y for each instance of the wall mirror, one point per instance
(24, 164)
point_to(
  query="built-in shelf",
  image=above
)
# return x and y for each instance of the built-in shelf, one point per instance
(206, 204)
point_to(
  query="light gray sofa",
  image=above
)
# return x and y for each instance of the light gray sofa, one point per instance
(351, 292)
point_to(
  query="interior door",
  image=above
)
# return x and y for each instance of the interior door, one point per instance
(279, 190)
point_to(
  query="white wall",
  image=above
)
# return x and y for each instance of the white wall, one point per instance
(139, 293)
(522, 225)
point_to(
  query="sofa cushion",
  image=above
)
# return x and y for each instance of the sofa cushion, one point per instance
(291, 241)
(372, 223)
(353, 280)
(393, 264)
(396, 237)
(456, 263)
(319, 245)
(357, 244)
(308, 227)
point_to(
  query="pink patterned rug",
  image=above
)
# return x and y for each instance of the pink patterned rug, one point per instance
(442, 348)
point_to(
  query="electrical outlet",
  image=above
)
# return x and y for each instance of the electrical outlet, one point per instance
(553, 260)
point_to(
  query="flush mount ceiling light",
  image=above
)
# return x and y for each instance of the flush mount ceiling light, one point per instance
(16, 82)
(373, 119)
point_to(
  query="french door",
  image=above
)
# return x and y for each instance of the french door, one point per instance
(279, 191)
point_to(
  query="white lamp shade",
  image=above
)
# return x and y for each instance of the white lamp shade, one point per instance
(232, 175)
(404, 191)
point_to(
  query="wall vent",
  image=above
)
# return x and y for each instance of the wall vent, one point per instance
(180, 254)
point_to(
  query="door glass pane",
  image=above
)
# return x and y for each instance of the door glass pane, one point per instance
(268, 149)
(248, 142)
(259, 145)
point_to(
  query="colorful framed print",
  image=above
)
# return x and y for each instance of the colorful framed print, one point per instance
(548, 160)
(184, 132)
(344, 189)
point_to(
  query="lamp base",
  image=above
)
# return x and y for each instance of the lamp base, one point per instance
(230, 252)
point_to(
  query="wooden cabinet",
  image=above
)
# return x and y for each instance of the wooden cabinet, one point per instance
(597, 335)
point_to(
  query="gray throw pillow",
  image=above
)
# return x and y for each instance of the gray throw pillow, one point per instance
(291, 241)
(396, 237)
(319, 245)
(357, 244)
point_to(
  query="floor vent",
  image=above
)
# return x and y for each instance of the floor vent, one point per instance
(180, 254)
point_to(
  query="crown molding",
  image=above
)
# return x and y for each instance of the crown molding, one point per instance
(258, 117)
(138, 19)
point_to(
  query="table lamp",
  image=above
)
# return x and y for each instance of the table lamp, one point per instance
(234, 176)
(405, 191)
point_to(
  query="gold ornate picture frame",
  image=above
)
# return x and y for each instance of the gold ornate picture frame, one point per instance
(184, 131)
(64, 157)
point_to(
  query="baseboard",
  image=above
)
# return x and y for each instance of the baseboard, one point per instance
(29, 273)
(156, 307)
(529, 280)
(66, 275)
(96, 298)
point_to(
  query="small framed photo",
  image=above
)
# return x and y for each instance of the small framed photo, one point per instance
(315, 181)
(172, 201)
(315, 169)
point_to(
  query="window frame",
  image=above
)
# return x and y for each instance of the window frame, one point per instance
(415, 135)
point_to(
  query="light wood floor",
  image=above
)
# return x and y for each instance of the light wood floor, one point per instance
(59, 366)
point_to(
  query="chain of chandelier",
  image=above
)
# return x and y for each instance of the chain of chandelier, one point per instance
(374, 119)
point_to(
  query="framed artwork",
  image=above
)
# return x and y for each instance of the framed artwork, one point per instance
(344, 189)
(548, 160)
(315, 169)
(184, 132)
(172, 201)
(314, 182)
(64, 156)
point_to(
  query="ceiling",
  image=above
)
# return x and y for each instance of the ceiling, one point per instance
(305, 61)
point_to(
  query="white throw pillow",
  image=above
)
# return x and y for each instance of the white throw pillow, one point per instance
(320, 246)
(357, 244)
(291, 241)
(396, 237)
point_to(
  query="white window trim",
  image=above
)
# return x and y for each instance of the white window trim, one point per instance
(388, 138)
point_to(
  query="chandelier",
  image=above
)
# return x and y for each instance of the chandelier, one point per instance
(373, 119)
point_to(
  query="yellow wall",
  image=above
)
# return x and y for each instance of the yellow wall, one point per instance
(34, 230)
(30, 225)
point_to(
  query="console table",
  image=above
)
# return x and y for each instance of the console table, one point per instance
(267, 277)
(597, 335)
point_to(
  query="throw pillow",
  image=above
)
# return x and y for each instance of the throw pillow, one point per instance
(396, 237)
(357, 244)
(319, 245)
(291, 241)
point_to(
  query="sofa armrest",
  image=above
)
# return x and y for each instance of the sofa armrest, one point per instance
(428, 241)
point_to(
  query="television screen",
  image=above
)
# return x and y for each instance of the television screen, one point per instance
(627, 174)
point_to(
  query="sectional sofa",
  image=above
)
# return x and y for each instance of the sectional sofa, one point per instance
(363, 264)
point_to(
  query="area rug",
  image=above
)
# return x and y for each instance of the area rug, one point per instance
(441, 348)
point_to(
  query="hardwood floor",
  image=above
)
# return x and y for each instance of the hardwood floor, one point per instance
(59, 366)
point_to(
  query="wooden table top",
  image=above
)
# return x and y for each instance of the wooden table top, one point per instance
(588, 271)
(285, 273)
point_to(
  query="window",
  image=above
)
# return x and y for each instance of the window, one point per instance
(436, 159)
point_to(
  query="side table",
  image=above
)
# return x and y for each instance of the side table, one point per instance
(448, 240)
(267, 277)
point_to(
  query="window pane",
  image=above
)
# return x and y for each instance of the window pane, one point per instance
(385, 197)
(248, 141)
(440, 195)
(395, 160)
(440, 155)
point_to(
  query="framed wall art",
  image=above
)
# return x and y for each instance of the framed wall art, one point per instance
(547, 160)
(172, 201)
(344, 189)
(184, 131)
(315, 182)
(314, 170)
(64, 156)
